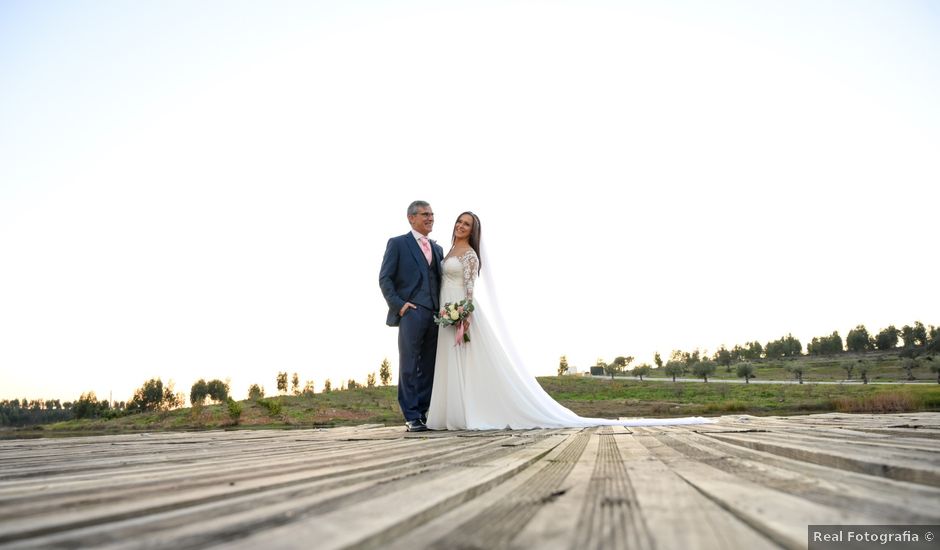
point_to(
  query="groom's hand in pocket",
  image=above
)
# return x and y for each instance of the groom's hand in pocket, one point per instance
(405, 308)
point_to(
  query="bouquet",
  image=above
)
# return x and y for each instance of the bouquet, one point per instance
(456, 313)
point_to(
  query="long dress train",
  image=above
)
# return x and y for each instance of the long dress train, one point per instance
(477, 386)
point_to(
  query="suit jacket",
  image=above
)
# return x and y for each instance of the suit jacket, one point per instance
(406, 276)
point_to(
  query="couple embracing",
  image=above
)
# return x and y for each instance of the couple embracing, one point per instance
(446, 381)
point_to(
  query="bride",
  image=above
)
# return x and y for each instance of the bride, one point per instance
(479, 384)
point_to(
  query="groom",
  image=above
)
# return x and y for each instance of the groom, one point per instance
(410, 279)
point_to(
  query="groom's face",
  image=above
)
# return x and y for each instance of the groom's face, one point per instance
(423, 221)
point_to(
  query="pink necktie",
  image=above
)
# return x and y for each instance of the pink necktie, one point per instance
(426, 248)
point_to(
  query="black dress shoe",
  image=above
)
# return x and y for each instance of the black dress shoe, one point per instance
(416, 426)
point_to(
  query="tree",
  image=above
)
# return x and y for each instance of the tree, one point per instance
(217, 390)
(620, 364)
(723, 358)
(198, 393)
(745, 370)
(688, 358)
(797, 371)
(910, 352)
(295, 384)
(858, 339)
(642, 370)
(755, 350)
(308, 388)
(935, 367)
(863, 371)
(933, 340)
(825, 345)
(849, 367)
(658, 360)
(920, 334)
(703, 368)
(674, 369)
(887, 338)
(255, 392)
(87, 406)
(370, 380)
(327, 386)
(914, 336)
(153, 396)
(787, 346)
(563, 366)
(385, 372)
(282, 382)
(834, 345)
(909, 364)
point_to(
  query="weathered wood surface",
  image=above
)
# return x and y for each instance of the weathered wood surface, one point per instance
(743, 482)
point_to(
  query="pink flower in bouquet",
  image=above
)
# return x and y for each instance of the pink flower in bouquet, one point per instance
(456, 314)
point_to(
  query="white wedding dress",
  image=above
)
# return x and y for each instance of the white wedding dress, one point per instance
(478, 386)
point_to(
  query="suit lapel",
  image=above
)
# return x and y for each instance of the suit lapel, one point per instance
(437, 256)
(416, 250)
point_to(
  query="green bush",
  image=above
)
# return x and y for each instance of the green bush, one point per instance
(234, 410)
(273, 407)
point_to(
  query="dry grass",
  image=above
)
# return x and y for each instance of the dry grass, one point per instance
(884, 402)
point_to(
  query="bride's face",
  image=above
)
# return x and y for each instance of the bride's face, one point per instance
(463, 226)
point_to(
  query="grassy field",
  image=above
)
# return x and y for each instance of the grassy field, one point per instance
(587, 396)
(590, 397)
(884, 366)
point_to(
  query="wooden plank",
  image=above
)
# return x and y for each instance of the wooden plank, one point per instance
(368, 522)
(779, 516)
(269, 483)
(737, 483)
(893, 501)
(428, 534)
(904, 463)
(658, 497)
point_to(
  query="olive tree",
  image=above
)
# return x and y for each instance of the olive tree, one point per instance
(745, 370)
(703, 368)
(674, 369)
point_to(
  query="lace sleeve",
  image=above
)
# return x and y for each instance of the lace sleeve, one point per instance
(471, 268)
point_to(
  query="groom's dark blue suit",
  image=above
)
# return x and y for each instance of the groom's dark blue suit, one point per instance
(406, 277)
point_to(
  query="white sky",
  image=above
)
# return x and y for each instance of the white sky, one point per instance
(205, 189)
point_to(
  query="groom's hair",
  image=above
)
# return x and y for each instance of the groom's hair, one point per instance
(413, 207)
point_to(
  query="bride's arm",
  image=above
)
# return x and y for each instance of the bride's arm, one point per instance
(471, 268)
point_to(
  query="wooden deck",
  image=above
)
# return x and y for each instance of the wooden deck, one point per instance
(744, 482)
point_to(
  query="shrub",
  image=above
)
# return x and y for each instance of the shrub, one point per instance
(234, 410)
(273, 407)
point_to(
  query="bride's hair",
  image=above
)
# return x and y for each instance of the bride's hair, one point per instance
(474, 236)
